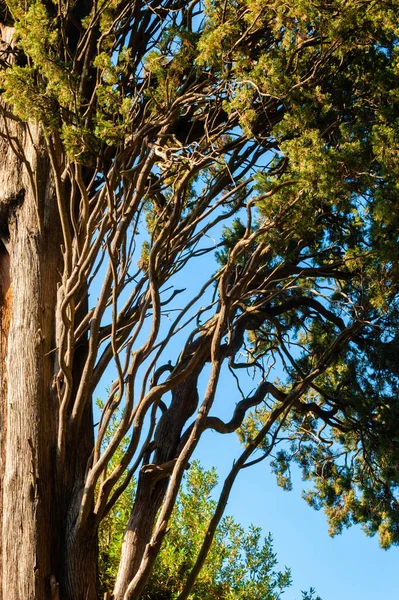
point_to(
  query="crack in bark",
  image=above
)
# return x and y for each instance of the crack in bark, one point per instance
(8, 208)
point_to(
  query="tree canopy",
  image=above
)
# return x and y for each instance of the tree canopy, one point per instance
(262, 134)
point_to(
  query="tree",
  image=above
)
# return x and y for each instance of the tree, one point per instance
(240, 564)
(131, 133)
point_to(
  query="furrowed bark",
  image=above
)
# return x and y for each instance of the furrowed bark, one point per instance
(43, 556)
(29, 222)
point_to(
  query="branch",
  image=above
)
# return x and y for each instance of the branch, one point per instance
(243, 406)
(280, 412)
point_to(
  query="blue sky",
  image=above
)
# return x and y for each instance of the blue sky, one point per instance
(351, 566)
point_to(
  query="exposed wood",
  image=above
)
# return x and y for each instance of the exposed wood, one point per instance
(5, 315)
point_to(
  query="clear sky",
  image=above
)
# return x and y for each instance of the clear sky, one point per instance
(351, 566)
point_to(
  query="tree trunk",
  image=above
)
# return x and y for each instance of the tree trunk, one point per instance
(152, 483)
(31, 232)
(43, 556)
(80, 548)
(138, 531)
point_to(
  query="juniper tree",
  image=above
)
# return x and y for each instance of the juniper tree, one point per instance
(131, 133)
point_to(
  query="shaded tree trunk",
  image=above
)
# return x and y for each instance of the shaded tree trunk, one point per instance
(139, 530)
(154, 478)
(79, 547)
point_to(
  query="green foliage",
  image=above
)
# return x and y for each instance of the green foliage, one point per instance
(348, 456)
(240, 565)
(337, 198)
(112, 118)
(40, 90)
